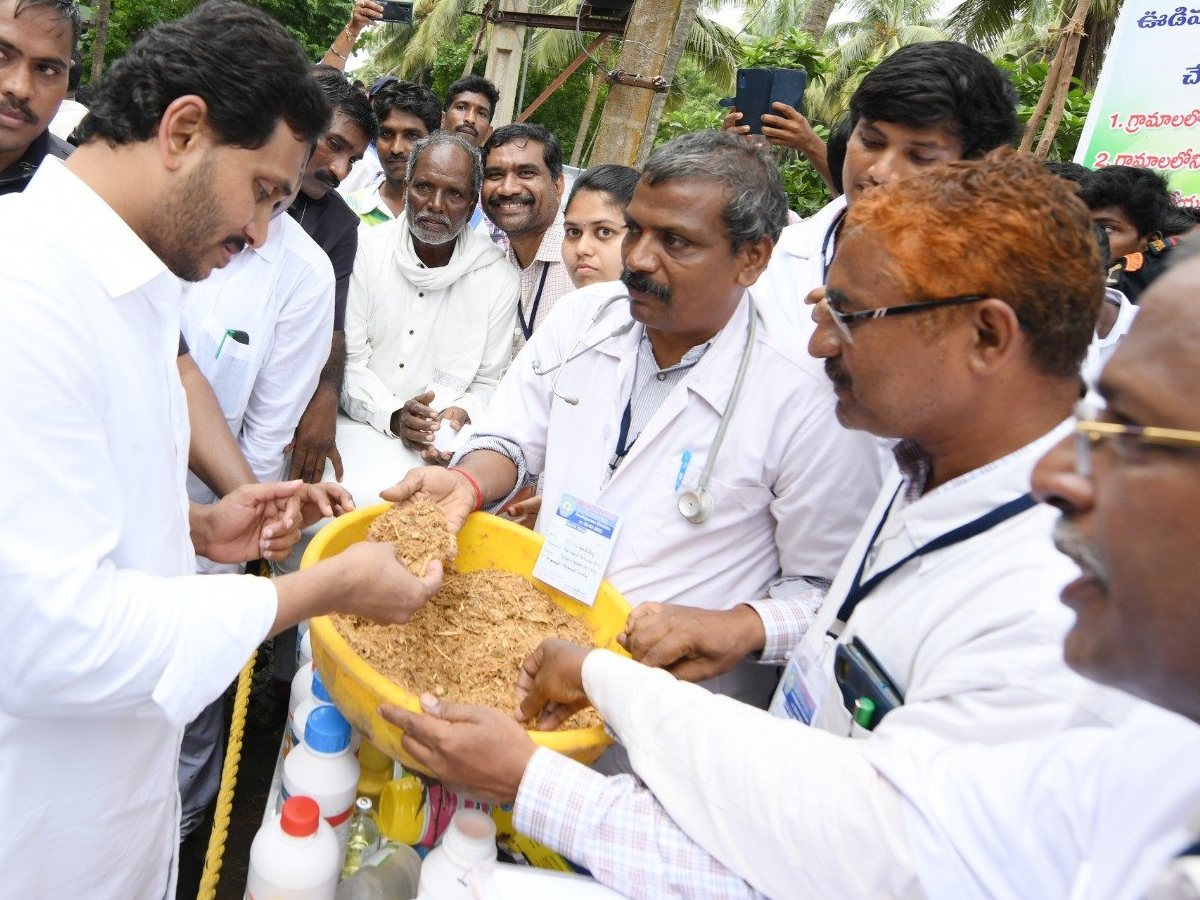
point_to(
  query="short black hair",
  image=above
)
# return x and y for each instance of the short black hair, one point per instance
(407, 97)
(529, 131)
(755, 202)
(474, 84)
(239, 60)
(345, 98)
(67, 10)
(1071, 171)
(835, 151)
(1141, 194)
(616, 181)
(942, 83)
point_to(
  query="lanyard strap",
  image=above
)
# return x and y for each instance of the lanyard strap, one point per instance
(831, 235)
(989, 520)
(527, 324)
(622, 446)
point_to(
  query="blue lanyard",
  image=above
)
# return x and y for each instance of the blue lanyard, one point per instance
(527, 324)
(831, 234)
(859, 590)
(622, 446)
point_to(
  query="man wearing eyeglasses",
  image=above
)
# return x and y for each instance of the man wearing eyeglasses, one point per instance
(959, 309)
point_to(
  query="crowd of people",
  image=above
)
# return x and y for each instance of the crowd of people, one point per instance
(913, 600)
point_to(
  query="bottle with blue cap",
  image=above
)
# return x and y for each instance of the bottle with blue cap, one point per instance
(323, 768)
(317, 697)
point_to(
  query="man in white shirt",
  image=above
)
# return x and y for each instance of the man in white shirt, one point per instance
(429, 321)
(961, 633)
(111, 643)
(925, 105)
(522, 190)
(618, 401)
(259, 331)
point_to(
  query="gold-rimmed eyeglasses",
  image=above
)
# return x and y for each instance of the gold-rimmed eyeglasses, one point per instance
(1128, 441)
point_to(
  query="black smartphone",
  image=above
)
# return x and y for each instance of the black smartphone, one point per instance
(757, 89)
(398, 12)
(860, 677)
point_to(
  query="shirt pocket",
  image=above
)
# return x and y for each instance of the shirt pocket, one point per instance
(663, 538)
(225, 357)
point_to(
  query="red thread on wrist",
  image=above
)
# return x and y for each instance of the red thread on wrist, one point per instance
(474, 486)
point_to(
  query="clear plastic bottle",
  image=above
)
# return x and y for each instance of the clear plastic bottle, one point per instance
(294, 856)
(469, 841)
(395, 878)
(363, 839)
(324, 768)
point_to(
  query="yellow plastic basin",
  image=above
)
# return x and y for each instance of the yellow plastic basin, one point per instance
(486, 541)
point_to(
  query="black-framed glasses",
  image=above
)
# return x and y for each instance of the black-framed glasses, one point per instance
(1129, 441)
(843, 320)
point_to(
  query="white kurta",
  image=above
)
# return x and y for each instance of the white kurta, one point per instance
(790, 484)
(403, 339)
(105, 652)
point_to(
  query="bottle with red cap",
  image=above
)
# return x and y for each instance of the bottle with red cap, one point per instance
(295, 856)
(324, 768)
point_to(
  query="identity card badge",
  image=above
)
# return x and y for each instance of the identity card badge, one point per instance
(805, 683)
(579, 542)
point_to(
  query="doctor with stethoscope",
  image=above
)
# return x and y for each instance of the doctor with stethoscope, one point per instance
(666, 403)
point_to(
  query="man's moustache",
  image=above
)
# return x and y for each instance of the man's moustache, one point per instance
(639, 281)
(497, 200)
(20, 109)
(328, 177)
(1072, 544)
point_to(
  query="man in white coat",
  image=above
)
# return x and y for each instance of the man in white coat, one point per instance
(741, 804)
(623, 398)
(430, 302)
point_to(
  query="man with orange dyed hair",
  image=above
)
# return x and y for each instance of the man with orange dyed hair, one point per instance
(960, 305)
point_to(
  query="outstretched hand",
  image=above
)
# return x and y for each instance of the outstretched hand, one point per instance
(692, 644)
(481, 751)
(550, 684)
(449, 490)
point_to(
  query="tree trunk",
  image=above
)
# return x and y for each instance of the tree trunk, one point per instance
(100, 24)
(816, 17)
(585, 120)
(631, 114)
(1070, 49)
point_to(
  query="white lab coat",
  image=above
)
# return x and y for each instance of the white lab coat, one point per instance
(972, 634)
(797, 266)
(791, 486)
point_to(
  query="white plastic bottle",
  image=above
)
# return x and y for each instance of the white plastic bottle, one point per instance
(294, 856)
(303, 644)
(469, 841)
(297, 720)
(324, 768)
(301, 691)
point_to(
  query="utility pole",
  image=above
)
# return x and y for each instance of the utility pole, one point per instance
(634, 105)
(504, 61)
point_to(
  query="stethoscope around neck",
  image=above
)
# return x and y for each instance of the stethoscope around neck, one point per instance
(694, 505)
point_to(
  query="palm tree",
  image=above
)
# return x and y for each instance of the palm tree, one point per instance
(982, 23)
(883, 27)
